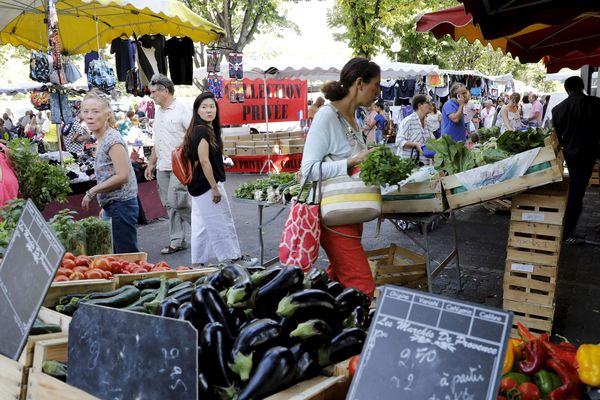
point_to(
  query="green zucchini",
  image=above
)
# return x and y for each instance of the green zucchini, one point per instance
(171, 283)
(153, 306)
(147, 283)
(177, 288)
(67, 309)
(140, 309)
(120, 300)
(40, 327)
(148, 297)
(147, 291)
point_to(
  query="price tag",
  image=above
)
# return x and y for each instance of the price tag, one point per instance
(533, 216)
(521, 267)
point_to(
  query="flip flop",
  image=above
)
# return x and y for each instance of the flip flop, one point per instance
(171, 250)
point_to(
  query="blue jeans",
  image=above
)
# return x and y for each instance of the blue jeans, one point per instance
(379, 136)
(124, 215)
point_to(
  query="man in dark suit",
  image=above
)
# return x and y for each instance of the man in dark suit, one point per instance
(575, 120)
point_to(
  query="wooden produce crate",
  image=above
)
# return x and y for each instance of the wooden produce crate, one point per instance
(318, 388)
(398, 266)
(41, 386)
(131, 257)
(415, 197)
(537, 318)
(50, 317)
(13, 379)
(595, 179)
(547, 167)
(291, 146)
(126, 279)
(59, 289)
(546, 204)
(193, 274)
(534, 243)
(530, 283)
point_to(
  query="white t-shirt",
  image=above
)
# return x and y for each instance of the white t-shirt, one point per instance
(170, 124)
(526, 108)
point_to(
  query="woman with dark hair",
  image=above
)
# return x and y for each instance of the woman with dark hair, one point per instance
(213, 230)
(335, 140)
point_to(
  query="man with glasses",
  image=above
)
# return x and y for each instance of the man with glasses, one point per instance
(453, 122)
(171, 120)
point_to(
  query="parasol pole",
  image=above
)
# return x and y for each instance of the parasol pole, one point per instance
(269, 163)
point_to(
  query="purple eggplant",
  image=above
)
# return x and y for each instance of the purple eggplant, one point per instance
(275, 371)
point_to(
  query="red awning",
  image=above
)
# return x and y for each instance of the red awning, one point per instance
(572, 60)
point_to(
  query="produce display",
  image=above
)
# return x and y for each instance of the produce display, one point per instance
(260, 330)
(275, 189)
(519, 141)
(486, 134)
(535, 368)
(382, 167)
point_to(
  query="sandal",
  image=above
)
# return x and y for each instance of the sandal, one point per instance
(171, 249)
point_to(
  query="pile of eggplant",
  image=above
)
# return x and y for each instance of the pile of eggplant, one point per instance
(263, 330)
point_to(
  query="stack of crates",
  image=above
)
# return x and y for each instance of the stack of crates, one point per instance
(532, 255)
(595, 179)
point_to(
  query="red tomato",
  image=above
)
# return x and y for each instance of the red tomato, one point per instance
(63, 271)
(353, 365)
(501, 398)
(108, 274)
(82, 261)
(83, 270)
(111, 258)
(507, 384)
(529, 391)
(182, 268)
(125, 272)
(101, 263)
(61, 278)
(94, 274)
(139, 270)
(69, 256)
(162, 264)
(158, 269)
(115, 267)
(68, 263)
(75, 276)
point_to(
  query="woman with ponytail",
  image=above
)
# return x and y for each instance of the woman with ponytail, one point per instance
(328, 142)
(213, 230)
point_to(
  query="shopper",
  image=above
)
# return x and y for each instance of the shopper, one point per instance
(312, 110)
(75, 136)
(9, 184)
(453, 122)
(487, 114)
(335, 140)
(370, 124)
(213, 230)
(526, 107)
(172, 118)
(376, 124)
(574, 119)
(434, 120)
(116, 187)
(537, 111)
(414, 131)
(511, 119)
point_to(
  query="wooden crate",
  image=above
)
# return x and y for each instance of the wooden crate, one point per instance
(415, 197)
(193, 274)
(529, 283)
(536, 318)
(126, 279)
(131, 257)
(546, 204)
(458, 197)
(284, 149)
(13, 379)
(44, 387)
(534, 243)
(595, 179)
(398, 266)
(59, 289)
(318, 388)
(51, 317)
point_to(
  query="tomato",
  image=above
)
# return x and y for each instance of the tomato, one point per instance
(61, 278)
(111, 258)
(182, 268)
(94, 274)
(68, 263)
(501, 398)
(507, 384)
(69, 256)
(139, 270)
(101, 263)
(82, 261)
(108, 274)
(83, 270)
(162, 264)
(125, 272)
(75, 276)
(63, 271)
(116, 267)
(529, 391)
(158, 269)
(353, 365)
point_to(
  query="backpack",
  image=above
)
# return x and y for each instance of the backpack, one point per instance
(182, 167)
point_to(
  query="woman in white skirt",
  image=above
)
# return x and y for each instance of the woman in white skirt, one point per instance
(213, 230)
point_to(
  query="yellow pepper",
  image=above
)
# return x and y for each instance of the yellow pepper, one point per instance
(588, 358)
(516, 347)
(509, 359)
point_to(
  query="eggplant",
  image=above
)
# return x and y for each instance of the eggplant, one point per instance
(183, 295)
(215, 281)
(370, 316)
(238, 317)
(204, 389)
(185, 312)
(316, 279)
(334, 288)
(347, 343)
(209, 307)
(351, 298)
(308, 304)
(253, 340)
(313, 330)
(255, 268)
(275, 371)
(168, 307)
(307, 366)
(289, 280)
(215, 344)
(358, 318)
(261, 278)
(240, 285)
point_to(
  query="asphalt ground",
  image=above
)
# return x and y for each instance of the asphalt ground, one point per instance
(482, 237)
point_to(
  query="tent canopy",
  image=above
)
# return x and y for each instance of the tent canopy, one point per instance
(87, 25)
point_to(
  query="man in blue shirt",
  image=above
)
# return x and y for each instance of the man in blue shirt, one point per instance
(453, 123)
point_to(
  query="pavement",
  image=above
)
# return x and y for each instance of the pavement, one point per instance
(482, 237)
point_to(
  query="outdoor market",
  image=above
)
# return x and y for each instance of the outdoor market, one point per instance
(412, 216)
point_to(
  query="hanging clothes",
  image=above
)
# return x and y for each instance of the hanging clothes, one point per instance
(180, 52)
(212, 61)
(236, 66)
(153, 47)
(388, 90)
(89, 57)
(150, 109)
(406, 88)
(124, 51)
(215, 85)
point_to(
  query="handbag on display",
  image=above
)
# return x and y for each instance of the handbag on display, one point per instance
(39, 67)
(101, 75)
(300, 239)
(345, 199)
(72, 74)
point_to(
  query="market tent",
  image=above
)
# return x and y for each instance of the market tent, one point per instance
(27, 87)
(87, 25)
(530, 44)
(499, 18)
(572, 60)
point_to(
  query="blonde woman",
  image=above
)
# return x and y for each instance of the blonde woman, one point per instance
(116, 187)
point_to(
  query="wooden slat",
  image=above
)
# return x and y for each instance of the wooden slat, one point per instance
(435, 204)
(318, 388)
(13, 379)
(535, 228)
(529, 309)
(50, 349)
(125, 279)
(534, 324)
(535, 243)
(194, 274)
(44, 387)
(398, 266)
(531, 257)
(544, 300)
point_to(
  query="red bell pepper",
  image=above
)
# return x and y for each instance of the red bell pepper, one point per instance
(566, 354)
(571, 387)
(525, 334)
(535, 357)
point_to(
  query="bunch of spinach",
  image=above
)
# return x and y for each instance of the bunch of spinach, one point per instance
(486, 134)
(519, 141)
(383, 167)
(489, 153)
(450, 156)
(275, 181)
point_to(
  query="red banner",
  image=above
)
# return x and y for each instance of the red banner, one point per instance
(285, 99)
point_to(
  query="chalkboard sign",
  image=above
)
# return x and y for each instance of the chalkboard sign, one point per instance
(428, 347)
(119, 354)
(30, 263)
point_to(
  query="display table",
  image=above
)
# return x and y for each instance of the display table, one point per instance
(283, 163)
(425, 222)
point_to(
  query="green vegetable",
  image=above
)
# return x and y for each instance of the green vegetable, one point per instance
(55, 369)
(519, 141)
(280, 182)
(98, 235)
(384, 167)
(486, 134)
(9, 214)
(40, 327)
(70, 232)
(450, 156)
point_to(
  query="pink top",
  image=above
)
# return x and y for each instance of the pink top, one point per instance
(536, 106)
(9, 185)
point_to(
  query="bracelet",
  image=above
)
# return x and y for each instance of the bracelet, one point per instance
(90, 194)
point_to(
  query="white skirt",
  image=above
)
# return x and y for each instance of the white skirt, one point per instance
(213, 230)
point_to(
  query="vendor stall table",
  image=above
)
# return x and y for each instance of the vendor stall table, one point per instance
(283, 162)
(425, 222)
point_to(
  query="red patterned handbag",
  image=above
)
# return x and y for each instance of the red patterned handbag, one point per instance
(301, 233)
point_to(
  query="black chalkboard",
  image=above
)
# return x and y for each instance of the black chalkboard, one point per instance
(118, 354)
(30, 263)
(428, 347)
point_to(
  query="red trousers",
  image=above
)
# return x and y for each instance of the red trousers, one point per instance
(348, 262)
